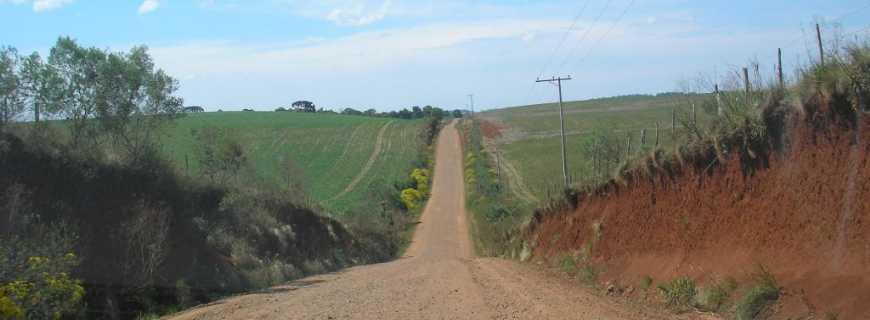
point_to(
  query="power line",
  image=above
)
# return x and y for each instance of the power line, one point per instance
(586, 33)
(533, 89)
(564, 37)
(612, 26)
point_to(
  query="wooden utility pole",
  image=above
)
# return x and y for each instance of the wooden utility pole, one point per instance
(779, 68)
(558, 82)
(718, 100)
(819, 39)
(747, 85)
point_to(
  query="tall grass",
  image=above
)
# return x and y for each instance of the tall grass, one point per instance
(495, 215)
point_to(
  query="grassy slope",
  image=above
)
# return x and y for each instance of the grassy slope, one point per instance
(530, 132)
(329, 150)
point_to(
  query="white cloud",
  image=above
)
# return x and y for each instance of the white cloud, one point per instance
(148, 6)
(46, 5)
(358, 14)
(343, 12)
(357, 53)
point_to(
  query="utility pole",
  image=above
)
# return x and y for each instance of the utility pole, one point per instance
(821, 50)
(471, 100)
(558, 82)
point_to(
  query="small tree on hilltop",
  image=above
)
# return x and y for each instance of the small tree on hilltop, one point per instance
(304, 106)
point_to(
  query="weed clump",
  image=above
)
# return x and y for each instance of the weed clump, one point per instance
(679, 293)
(714, 298)
(568, 264)
(646, 282)
(764, 292)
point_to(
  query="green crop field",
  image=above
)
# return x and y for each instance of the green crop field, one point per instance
(529, 135)
(338, 158)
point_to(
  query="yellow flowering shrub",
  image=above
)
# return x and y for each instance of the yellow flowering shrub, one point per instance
(40, 291)
(411, 198)
(421, 177)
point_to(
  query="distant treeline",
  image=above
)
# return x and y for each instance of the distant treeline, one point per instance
(414, 113)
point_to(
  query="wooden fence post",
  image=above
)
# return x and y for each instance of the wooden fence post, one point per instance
(694, 115)
(819, 39)
(642, 137)
(747, 86)
(779, 69)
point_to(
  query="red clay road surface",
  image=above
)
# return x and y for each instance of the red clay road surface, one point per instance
(438, 278)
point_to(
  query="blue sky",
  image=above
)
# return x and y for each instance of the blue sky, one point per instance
(389, 54)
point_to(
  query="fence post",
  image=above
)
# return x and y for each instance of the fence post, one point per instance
(779, 69)
(642, 137)
(748, 86)
(821, 50)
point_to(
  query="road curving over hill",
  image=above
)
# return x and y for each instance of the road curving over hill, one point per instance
(438, 277)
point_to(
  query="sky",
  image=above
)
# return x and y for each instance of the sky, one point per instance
(390, 54)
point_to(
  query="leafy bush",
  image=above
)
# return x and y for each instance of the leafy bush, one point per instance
(411, 198)
(35, 276)
(421, 180)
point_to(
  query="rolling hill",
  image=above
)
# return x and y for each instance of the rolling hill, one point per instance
(336, 157)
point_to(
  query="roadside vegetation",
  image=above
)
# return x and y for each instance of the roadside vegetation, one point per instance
(825, 107)
(116, 204)
(613, 147)
(495, 215)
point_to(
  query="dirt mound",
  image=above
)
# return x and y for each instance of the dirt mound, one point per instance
(805, 216)
(490, 129)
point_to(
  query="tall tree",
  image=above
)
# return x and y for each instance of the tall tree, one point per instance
(41, 85)
(304, 106)
(417, 112)
(78, 74)
(11, 100)
(133, 100)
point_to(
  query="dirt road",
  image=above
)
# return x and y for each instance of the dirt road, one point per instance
(438, 278)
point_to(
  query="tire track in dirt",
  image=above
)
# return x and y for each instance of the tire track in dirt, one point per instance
(515, 180)
(374, 157)
(347, 145)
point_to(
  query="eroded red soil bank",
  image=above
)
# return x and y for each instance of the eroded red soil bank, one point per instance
(806, 218)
